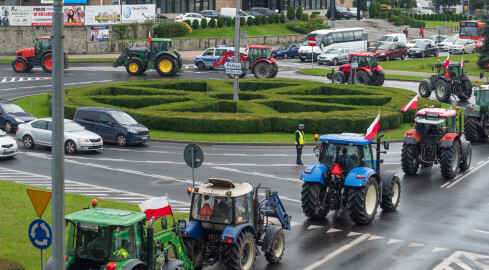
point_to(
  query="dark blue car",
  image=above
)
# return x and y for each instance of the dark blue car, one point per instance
(112, 125)
(286, 51)
(11, 115)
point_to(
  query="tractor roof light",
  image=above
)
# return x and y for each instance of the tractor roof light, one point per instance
(316, 136)
(94, 203)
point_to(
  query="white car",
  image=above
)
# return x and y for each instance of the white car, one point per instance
(413, 42)
(191, 17)
(76, 137)
(353, 13)
(463, 46)
(445, 44)
(9, 145)
(334, 56)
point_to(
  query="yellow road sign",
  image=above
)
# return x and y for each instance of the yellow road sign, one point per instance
(39, 199)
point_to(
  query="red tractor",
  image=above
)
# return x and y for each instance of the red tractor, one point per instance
(365, 69)
(435, 140)
(259, 61)
(39, 55)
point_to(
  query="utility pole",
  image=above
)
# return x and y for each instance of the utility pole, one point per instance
(57, 150)
(333, 10)
(237, 23)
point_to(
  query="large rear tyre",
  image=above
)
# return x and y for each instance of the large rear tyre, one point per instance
(390, 201)
(134, 67)
(379, 79)
(425, 88)
(194, 252)
(466, 91)
(471, 130)
(166, 65)
(363, 201)
(312, 195)
(242, 255)
(409, 159)
(47, 62)
(450, 160)
(443, 90)
(20, 66)
(361, 77)
(466, 157)
(338, 78)
(262, 70)
(277, 249)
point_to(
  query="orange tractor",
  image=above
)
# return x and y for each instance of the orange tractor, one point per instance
(258, 61)
(39, 55)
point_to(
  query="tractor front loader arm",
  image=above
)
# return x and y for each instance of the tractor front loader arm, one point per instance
(272, 206)
(120, 61)
(224, 58)
(171, 239)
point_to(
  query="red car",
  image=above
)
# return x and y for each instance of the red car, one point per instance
(387, 51)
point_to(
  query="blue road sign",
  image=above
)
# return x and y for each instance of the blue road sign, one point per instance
(40, 234)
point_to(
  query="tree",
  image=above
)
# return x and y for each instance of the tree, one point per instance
(407, 4)
(298, 13)
(483, 61)
(203, 23)
(290, 13)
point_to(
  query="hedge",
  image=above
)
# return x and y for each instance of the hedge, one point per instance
(265, 105)
(307, 27)
(172, 29)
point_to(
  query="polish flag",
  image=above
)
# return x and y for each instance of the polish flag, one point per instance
(447, 62)
(149, 38)
(373, 129)
(413, 104)
(156, 207)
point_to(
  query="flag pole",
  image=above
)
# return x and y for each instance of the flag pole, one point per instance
(173, 217)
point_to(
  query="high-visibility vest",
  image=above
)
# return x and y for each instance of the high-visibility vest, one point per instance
(301, 137)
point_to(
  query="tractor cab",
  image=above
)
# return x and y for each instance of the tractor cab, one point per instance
(433, 123)
(482, 95)
(158, 45)
(453, 71)
(364, 59)
(42, 45)
(259, 52)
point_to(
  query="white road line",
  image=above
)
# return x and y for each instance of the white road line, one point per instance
(467, 174)
(256, 174)
(480, 231)
(4, 80)
(478, 163)
(446, 184)
(338, 251)
(13, 79)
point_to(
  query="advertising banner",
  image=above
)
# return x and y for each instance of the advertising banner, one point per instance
(138, 13)
(19, 15)
(4, 16)
(73, 2)
(74, 15)
(99, 33)
(102, 15)
(42, 15)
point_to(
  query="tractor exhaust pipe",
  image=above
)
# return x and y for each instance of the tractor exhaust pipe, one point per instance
(149, 244)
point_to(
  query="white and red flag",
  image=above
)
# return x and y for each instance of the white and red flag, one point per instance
(156, 207)
(462, 62)
(447, 62)
(373, 129)
(413, 104)
(149, 38)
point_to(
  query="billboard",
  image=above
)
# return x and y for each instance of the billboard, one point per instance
(73, 15)
(98, 15)
(42, 15)
(138, 13)
(73, 2)
(4, 16)
(19, 15)
(99, 33)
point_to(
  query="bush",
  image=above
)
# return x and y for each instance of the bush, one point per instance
(384, 7)
(188, 22)
(423, 17)
(233, 20)
(305, 27)
(399, 21)
(384, 15)
(313, 16)
(305, 17)
(229, 22)
(134, 29)
(270, 19)
(276, 18)
(412, 22)
(249, 21)
(120, 30)
(242, 21)
(195, 24)
(263, 19)
(220, 22)
(172, 29)
(282, 18)
(372, 11)
(393, 18)
(203, 23)
(290, 13)
(257, 20)
(411, 15)
(320, 21)
(471, 18)
(212, 23)
(298, 13)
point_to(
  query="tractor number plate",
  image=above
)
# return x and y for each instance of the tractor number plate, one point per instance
(93, 227)
(431, 114)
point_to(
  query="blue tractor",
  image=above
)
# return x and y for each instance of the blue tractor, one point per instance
(227, 222)
(348, 178)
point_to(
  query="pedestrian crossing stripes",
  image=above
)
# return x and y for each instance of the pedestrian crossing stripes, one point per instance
(43, 181)
(464, 260)
(22, 79)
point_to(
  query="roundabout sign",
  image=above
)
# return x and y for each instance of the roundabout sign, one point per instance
(40, 234)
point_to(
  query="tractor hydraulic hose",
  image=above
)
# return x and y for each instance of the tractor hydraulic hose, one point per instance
(149, 245)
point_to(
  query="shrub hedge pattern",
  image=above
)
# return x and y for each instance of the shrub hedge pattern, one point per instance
(275, 105)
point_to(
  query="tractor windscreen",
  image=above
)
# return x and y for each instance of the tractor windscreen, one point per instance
(347, 156)
(212, 208)
(92, 242)
(430, 128)
(483, 98)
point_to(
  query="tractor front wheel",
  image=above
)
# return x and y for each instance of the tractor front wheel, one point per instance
(338, 78)
(311, 197)
(166, 65)
(471, 130)
(363, 201)
(425, 88)
(20, 66)
(466, 91)
(47, 62)
(390, 201)
(361, 77)
(277, 248)
(379, 79)
(134, 67)
(194, 252)
(409, 159)
(242, 255)
(262, 70)
(443, 89)
(450, 160)
(274, 70)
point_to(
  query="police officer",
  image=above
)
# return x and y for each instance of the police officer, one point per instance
(299, 143)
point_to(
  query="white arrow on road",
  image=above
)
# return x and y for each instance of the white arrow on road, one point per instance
(33, 230)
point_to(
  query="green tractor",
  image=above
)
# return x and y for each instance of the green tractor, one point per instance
(476, 122)
(159, 56)
(102, 238)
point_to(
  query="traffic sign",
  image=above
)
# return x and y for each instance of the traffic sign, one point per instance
(232, 65)
(234, 71)
(40, 234)
(39, 199)
(312, 41)
(197, 156)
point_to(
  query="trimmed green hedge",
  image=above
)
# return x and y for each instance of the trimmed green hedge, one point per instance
(275, 105)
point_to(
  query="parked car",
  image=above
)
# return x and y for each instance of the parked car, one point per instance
(231, 13)
(112, 125)
(387, 51)
(462, 46)
(438, 38)
(341, 12)
(263, 11)
(11, 115)
(253, 13)
(286, 51)
(189, 16)
(212, 14)
(400, 38)
(76, 137)
(422, 50)
(8, 144)
(446, 43)
(335, 56)
(204, 60)
(353, 13)
(413, 42)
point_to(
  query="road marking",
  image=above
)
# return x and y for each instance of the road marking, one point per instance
(313, 227)
(375, 237)
(480, 231)
(256, 174)
(332, 230)
(413, 244)
(478, 260)
(353, 234)
(394, 241)
(338, 252)
(478, 163)
(4, 80)
(437, 249)
(446, 184)
(467, 174)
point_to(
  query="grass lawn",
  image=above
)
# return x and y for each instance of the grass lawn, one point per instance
(18, 212)
(251, 31)
(432, 24)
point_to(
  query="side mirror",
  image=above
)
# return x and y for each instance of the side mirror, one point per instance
(164, 223)
(386, 145)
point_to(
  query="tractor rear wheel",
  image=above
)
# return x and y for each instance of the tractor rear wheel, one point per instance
(466, 157)
(166, 65)
(409, 159)
(277, 248)
(471, 130)
(338, 78)
(390, 201)
(20, 66)
(425, 88)
(450, 160)
(47, 62)
(361, 77)
(379, 79)
(274, 70)
(194, 252)
(262, 70)
(443, 89)
(134, 67)
(466, 91)
(242, 255)
(363, 201)
(312, 195)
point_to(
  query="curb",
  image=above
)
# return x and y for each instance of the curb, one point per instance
(241, 144)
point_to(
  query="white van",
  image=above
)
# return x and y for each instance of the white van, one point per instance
(231, 13)
(398, 38)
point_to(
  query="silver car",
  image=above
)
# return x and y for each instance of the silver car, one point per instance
(446, 43)
(77, 138)
(8, 144)
(462, 46)
(334, 56)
